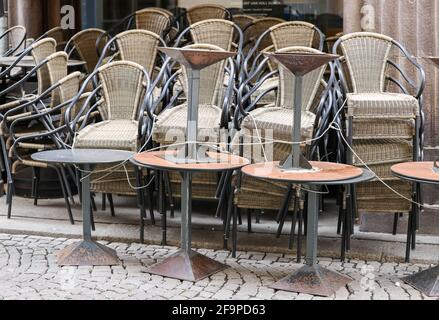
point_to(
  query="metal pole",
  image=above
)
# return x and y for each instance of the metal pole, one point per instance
(192, 113)
(298, 85)
(313, 226)
(186, 210)
(86, 205)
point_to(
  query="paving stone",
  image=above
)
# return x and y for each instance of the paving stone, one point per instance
(29, 271)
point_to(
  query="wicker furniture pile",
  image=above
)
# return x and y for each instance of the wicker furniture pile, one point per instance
(130, 96)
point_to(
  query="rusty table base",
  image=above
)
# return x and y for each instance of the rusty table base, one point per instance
(87, 253)
(426, 281)
(187, 266)
(313, 280)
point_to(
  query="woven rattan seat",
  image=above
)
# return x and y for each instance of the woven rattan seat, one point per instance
(382, 151)
(115, 134)
(280, 120)
(382, 105)
(174, 120)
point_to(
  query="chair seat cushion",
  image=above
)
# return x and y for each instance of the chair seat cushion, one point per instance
(112, 134)
(172, 122)
(382, 105)
(280, 120)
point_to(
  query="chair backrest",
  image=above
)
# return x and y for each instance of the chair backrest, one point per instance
(57, 68)
(366, 55)
(139, 46)
(16, 37)
(154, 20)
(294, 33)
(217, 32)
(124, 84)
(243, 20)
(85, 45)
(56, 33)
(59, 35)
(40, 51)
(211, 78)
(68, 89)
(255, 30)
(311, 82)
(205, 12)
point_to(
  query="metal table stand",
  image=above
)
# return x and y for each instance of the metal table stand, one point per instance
(426, 281)
(187, 264)
(86, 252)
(295, 169)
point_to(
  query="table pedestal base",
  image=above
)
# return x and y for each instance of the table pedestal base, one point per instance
(187, 266)
(88, 253)
(313, 280)
(426, 281)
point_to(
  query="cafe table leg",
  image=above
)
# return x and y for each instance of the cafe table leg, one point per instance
(312, 278)
(426, 281)
(186, 264)
(87, 252)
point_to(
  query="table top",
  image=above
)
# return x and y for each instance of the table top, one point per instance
(157, 160)
(416, 172)
(325, 173)
(28, 62)
(83, 156)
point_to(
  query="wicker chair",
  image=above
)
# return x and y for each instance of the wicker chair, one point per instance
(157, 20)
(35, 123)
(384, 127)
(16, 39)
(86, 45)
(254, 31)
(58, 34)
(206, 12)
(123, 86)
(294, 33)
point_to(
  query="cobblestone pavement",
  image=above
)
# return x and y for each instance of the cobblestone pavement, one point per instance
(28, 270)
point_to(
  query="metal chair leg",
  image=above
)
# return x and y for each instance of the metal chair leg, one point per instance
(9, 199)
(395, 223)
(93, 202)
(151, 197)
(293, 223)
(66, 198)
(141, 202)
(104, 202)
(249, 221)
(92, 218)
(111, 203)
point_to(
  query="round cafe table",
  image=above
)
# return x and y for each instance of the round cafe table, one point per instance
(312, 278)
(186, 264)
(86, 252)
(426, 281)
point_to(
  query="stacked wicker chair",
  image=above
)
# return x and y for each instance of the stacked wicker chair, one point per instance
(86, 46)
(206, 12)
(27, 122)
(255, 122)
(294, 33)
(123, 87)
(157, 20)
(141, 47)
(16, 37)
(383, 127)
